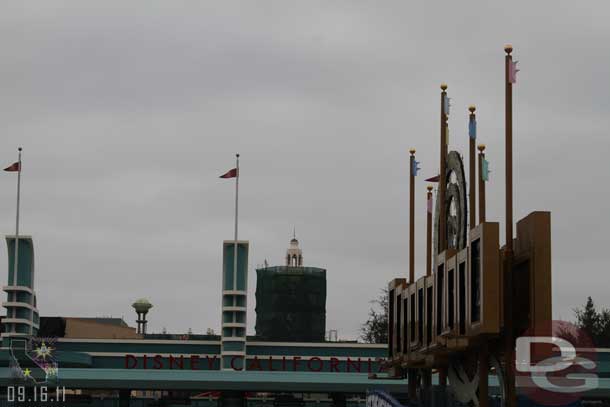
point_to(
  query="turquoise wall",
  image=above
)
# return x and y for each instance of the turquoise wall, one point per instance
(242, 266)
(25, 270)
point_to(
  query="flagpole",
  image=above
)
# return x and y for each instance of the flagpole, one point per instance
(472, 166)
(481, 149)
(442, 180)
(508, 252)
(16, 260)
(429, 231)
(236, 217)
(412, 217)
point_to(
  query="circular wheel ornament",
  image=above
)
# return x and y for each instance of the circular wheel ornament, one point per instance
(455, 206)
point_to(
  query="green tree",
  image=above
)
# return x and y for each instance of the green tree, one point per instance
(375, 329)
(604, 331)
(595, 323)
(587, 318)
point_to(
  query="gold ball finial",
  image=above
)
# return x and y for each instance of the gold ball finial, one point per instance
(444, 86)
(412, 151)
(472, 108)
(481, 147)
(429, 188)
(508, 48)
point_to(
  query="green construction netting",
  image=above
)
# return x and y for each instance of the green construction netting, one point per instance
(291, 304)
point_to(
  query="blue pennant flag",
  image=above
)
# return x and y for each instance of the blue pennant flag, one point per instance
(472, 129)
(415, 168)
(485, 172)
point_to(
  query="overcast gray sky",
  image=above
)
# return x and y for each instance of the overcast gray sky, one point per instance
(129, 111)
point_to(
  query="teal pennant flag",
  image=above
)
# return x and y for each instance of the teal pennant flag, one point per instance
(485, 172)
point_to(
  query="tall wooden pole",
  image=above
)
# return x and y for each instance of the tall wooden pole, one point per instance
(508, 252)
(509, 152)
(472, 156)
(429, 231)
(481, 148)
(484, 350)
(442, 182)
(411, 217)
(412, 373)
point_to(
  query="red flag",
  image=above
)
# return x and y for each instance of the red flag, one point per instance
(436, 178)
(13, 167)
(230, 174)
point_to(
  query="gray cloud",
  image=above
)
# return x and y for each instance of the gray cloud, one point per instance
(129, 112)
